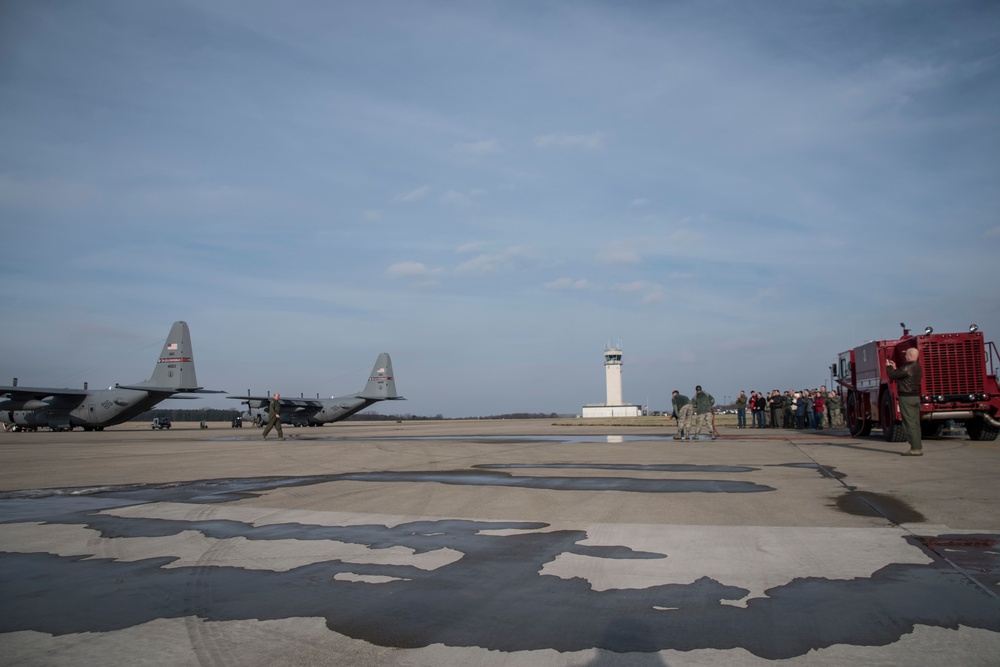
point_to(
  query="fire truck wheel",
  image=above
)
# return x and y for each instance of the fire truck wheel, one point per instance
(979, 429)
(859, 427)
(892, 430)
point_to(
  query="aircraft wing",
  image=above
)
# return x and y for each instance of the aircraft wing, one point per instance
(37, 398)
(263, 401)
(169, 390)
(41, 392)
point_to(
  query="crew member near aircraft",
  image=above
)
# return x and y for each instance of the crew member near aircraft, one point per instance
(683, 410)
(274, 417)
(907, 378)
(703, 403)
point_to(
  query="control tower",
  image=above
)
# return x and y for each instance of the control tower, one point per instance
(614, 406)
(613, 373)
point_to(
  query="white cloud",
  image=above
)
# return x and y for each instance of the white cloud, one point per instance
(484, 263)
(648, 292)
(492, 262)
(767, 294)
(412, 195)
(592, 141)
(472, 246)
(657, 295)
(486, 147)
(47, 193)
(565, 283)
(619, 256)
(416, 273)
(461, 199)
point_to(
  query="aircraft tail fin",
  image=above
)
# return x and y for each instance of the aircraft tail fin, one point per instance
(175, 367)
(381, 383)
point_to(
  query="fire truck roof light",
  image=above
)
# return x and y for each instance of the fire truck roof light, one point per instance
(929, 330)
(974, 328)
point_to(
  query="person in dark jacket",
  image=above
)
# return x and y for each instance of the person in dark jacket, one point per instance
(760, 410)
(907, 378)
(799, 407)
(703, 403)
(774, 405)
(810, 409)
(741, 410)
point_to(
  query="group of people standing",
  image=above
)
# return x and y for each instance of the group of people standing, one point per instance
(806, 409)
(693, 414)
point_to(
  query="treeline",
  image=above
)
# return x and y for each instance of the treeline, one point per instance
(526, 415)
(228, 414)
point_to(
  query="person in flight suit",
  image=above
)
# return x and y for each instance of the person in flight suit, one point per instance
(274, 417)
(907, 378)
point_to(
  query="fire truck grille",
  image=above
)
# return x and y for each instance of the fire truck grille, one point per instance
(953, 366)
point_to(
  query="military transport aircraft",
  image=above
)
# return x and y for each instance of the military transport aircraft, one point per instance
(315, 411)
(27, 408)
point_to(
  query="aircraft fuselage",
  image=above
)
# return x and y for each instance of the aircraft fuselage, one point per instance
(95, 410)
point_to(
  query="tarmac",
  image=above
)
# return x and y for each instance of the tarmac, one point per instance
(496, 543)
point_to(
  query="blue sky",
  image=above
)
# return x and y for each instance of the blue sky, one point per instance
(492, 191)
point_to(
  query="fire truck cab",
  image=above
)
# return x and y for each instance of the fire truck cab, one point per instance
(959, 383)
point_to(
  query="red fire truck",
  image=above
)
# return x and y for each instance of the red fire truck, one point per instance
(959, 383)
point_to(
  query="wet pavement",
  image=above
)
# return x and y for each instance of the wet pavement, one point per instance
(495, 543)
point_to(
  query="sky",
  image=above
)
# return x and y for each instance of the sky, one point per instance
(492, 192)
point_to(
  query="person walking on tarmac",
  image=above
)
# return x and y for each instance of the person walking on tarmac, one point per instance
(907, 378)
(703, 413)
(683, 409)
(274, 417)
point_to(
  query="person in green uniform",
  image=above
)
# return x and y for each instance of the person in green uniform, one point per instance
(834, 411)
(907, 378)
(683, 409)
(703, 403)
(274, 417)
